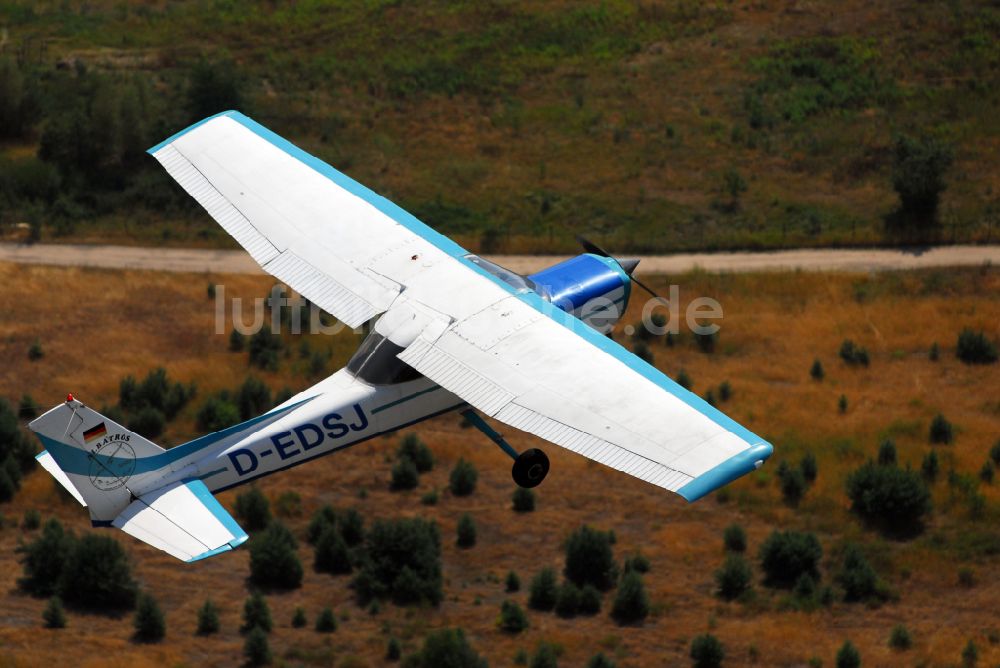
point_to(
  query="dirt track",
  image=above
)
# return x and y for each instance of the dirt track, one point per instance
(238, 262)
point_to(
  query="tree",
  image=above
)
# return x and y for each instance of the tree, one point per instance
(326, 622)
(512, 583)
(918, 168)
(848, 656)
(402, 561)
(393, 650)
(853, 354)
(149, 624)
(589, 559)
(404, 475)
(253, 509)
(590, 600)
(941, 430)
(256, 613)
(97, 575)
(447, 648)
(856, 576)
(523, 500)
(44, 558)
(462, 480)
(53, 615)
(888, 497)
(567, 600)
(273, 559)
(970, 655)
(466, 531)
(631, 603)
(792, 482)
(545, 656)
(332, 554)
(600, 661)
(816, 370)
(412, 448)
(299, 620)
(975, 348)
(786, 555)
(208, 618)
(216, 414)
(543, 591)
(215, 86)
(809, 468)
(887, 453)
(734, 538)
(237, 341)
(900, 638)
(930, 466)
(733, 578)
(707, 651)
(253, 398)
(148, 422)
(256, 648)
(512, 618)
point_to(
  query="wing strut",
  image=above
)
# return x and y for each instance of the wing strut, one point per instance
(530, 467)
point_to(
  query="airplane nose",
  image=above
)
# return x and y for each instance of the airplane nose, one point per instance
(629, 264)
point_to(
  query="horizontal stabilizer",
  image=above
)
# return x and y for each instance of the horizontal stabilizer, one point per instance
(49, 464)
(182, 519)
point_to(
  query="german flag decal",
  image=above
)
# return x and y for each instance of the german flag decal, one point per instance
(94, 432)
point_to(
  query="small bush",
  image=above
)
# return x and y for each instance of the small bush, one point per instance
(273, 559)
(43, 559)
(256, 613)
(465, 531)
(995, 453)
(848, 656)
(852, 354)
(447, 647)
(966, 577)
(28, 409)
(975, 348)
(987, 472)
(706, 342)
(684, 380)
(734, 578)
(734, 538)
(237, 342)
(590, 600)
(299, 620)
(149, 624)
(809, 467)
(856, 576)
(792, 483)
(97, 575)
(288, 505)
(918, 168)
(631, 603)
(393, 650)
(970, 655)
(253, 509)
(707, 651)
(208, 619)
(888, 497)
(512, 583)
(35, 351)
(326, 622)
(546, 656)
(253, 398)
(543, 591)
(523, 500)
(414, 449)
(642, 351)
(941, 430)
(935, 353)
(637, 562)
(256, 649)
(589, 559)
(148, 422)
(404, 475)
(786, 555)
(216, 414)
(725, 391)
(512, 618)
(600, 661)
(930, 467)
(462, 480)
(887, 453)
(54, 616)
(568, 600)
(331, 553)
(402, 562)
(842, 404)
(264, 348)
(429, 498)
(32, 520)
(816, 370)
(900, 638)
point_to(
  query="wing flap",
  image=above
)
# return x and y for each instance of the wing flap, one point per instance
(182, 519)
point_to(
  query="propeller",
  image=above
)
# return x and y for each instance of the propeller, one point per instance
(628, 265)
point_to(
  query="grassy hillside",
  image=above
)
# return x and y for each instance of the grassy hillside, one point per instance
(940, 584)
(651, 125)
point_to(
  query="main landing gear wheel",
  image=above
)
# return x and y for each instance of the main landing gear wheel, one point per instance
(530, 468)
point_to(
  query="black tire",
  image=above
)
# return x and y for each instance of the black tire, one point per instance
(530, 468)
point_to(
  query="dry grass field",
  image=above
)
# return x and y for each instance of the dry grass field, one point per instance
(96, 326)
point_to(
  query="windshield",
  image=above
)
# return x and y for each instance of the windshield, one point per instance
(376, 363)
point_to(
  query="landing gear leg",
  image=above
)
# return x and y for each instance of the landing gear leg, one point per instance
(530, 467)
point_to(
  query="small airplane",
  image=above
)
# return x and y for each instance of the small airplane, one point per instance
(449, 331)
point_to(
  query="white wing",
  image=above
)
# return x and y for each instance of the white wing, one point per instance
(505, 351)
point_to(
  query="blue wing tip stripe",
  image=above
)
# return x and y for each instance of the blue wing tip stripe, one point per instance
(738, 465)
(210, 553)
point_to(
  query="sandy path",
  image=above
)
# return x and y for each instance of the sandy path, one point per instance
(238, 262)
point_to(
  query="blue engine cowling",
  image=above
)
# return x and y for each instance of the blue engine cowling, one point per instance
(593, 288)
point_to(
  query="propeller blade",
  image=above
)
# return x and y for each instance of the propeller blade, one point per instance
(645, 287)
(591, 247)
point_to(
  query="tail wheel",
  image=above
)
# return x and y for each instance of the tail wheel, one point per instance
(530, 468)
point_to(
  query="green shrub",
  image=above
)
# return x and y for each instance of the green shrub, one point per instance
(462, 480)
(546, 656)
(987, 472)
(253, 398)
(214, 86)
(429, 498)
(414, 449)
(734, 578)
(148, 422)
(299, 620)
(331, 553)
(734, 538)
(809, 467)
(43, 559)
(642, 351)
(930, 466)
(465, 531)
(856, 577)
(631, 603)
(816, 370)
(567, 600)
(637, 562)
(805, 589)
(888, 497)
(393, 650)
(208, 619)
(848, 656)
(941, 430)
(446, 648)
(523, 500)
(792, 483)
(512, 618)
(887, 453)
(253, 509)
(852, 354)
(216, 414)
(264, 348)
(512, 583)
(402, 561)
(273, 559)
(256, 613)
(706, 341)
(842, 404)
(35, 351)
(32, 519)
(589, 559)
(590, 600)
(918, 168)
(707, 651)
(600, 661)
(326, 622)
(543, 591)
(149, 624)
(288, 505)
(900, 638)
(684, 380)
(725, 391)
(970, 655)
(237, 342)
(97, 575)
(256, 649)
(786, 555)
(28, 409)
(54, 616)
(404, 475)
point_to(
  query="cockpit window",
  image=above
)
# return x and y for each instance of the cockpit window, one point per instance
(376, 363)
(516, 281)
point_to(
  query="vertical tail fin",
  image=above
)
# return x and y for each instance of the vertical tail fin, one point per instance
(97, 455)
